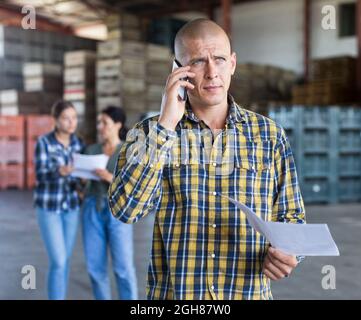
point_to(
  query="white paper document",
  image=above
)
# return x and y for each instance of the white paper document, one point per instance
(84, 165)
(291, 238)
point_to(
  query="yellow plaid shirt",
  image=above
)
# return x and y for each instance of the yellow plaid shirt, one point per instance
(203, 247)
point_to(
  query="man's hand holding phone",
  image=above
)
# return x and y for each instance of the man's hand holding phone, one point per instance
(173, 105)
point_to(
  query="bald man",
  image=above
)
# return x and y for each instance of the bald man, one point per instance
(178, 164)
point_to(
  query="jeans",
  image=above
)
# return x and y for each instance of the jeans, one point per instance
(101, 229)
(58, 232)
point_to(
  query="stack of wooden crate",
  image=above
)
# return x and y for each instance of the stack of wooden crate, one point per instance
(121, 69)
(12, 152)
(43, 77)
(14, 102)
(79, 88)
(19, 45)
(124, 26)
(35, 126)
(332, 82)
(158, 67)
(254, 84)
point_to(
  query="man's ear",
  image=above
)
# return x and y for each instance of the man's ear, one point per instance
(233, 62)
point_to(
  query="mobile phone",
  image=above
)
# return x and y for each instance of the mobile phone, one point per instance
(182, 91)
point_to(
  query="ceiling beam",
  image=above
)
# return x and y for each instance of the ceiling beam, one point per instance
(42, 23)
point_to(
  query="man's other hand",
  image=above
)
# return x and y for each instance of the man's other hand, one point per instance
(278, 265)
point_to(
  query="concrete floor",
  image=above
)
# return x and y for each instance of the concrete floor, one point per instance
(20, 244)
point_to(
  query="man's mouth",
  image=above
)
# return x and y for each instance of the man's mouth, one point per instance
(211, 87)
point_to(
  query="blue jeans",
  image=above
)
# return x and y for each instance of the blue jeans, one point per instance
(59, 235)
(101, 229)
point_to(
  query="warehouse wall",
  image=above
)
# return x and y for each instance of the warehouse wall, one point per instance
(326, 43)
(271, 32)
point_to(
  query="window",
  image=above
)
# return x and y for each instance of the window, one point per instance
(347, 22)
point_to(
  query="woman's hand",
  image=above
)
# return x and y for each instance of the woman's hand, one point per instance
(104, 175)
(65, 170)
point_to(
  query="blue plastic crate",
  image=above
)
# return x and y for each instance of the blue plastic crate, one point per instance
(316, 190)
(316, 117)
(349, 189)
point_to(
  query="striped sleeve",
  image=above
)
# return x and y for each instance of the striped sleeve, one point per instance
(136, 187)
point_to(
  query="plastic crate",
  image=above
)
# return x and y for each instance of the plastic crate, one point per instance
(316, 140)
(326, 143)
(38, 125)
(12, 127)
(12, 176)
(286, 116)
(349, 117)
(316, 190)
(349, 140)
(316, 165)
(316, 117)
(349, 165)
(12, 151)
(30, 176)
(30, 149)
(349, 189)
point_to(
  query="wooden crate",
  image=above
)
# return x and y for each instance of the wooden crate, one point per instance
(79, 58)
(43, 84)
(37, 69)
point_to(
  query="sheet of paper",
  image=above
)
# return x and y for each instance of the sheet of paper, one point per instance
(84, 165)
(291, 238)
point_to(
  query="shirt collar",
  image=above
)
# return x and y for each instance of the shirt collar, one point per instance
(73, 139)
(236, 113)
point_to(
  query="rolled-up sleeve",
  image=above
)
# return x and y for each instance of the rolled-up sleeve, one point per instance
(46, 170)
(288, 204)
(136, 188)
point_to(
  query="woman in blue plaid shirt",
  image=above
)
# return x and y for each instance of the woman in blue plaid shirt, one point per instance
(56, 198)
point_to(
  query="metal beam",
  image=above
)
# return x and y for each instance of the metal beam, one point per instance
(42, 23)
(306, 38)
(358, 34)
(226, 16)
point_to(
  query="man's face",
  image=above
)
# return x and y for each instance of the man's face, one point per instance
(212, 62)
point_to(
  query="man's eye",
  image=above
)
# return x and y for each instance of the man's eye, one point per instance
(221, 59)
(197, 62)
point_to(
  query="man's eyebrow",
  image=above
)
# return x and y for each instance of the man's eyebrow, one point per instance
(197, 59)
(220, 56)
(215, 56)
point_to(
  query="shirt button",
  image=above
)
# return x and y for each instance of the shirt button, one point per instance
(213, 255)
(177, 165)
(214, 193)
(212, 287)
(151, 165)
(164, 139)
(214, 164)
(214, 225)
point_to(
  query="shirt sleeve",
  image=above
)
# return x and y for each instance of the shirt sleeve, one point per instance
(287, 199)
(45, 168)
(288, 204)
(136, 188)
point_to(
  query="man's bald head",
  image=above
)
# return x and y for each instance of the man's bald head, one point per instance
(197, 29)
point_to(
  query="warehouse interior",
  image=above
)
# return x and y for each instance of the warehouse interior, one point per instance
(292, 67)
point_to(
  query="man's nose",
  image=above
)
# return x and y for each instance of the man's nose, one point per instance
(211, 71)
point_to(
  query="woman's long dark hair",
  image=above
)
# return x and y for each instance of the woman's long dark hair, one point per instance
(117, 114)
